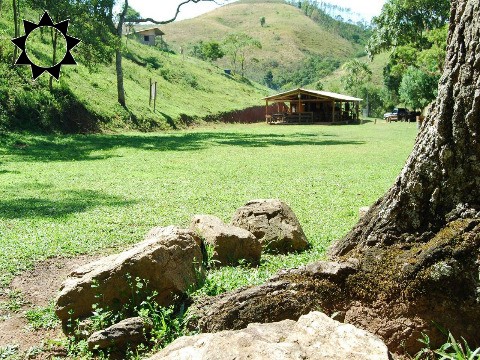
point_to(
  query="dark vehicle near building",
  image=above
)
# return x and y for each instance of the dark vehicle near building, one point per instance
(398, 114)
(401, 114)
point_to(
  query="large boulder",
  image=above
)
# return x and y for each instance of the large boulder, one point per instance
(127, 333)
(273, 223)
(230, 243)
(313, 336)
(169, 259)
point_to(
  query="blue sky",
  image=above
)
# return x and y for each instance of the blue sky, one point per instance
(165, 9)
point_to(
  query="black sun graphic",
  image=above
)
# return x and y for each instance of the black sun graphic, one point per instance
(37, 70)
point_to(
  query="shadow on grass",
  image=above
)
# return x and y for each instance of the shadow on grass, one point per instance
(96, 147)
(69, 202)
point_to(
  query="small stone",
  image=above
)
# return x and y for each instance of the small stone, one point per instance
(230, 243)
(127, 333)
(273, 223)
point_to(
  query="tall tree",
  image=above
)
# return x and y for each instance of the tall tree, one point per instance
(357, 75)
(16, 22)
(237, 46)
(118, 32)
(91, 22)
(442, 172)
(415, 88)
(412, 30)
(404, 22)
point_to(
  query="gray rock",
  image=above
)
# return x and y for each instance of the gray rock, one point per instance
(230, 243)
(127, 333)
(169, 259)
(314, 336)
(273, 223)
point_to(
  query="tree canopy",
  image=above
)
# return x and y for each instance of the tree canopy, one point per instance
(415, 33)
(407, 22)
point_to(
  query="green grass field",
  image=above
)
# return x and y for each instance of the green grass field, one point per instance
(66, 195)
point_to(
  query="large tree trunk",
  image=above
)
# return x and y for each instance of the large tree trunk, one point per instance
(16, 16)
(118, 57)
(443, 171)
(414, 260)
(119, 68)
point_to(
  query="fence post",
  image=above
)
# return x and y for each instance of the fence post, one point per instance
(150, 93)
(155, 96)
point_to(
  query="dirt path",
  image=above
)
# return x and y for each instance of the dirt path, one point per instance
(33, 289)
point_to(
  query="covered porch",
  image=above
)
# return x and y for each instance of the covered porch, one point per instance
(311, 106)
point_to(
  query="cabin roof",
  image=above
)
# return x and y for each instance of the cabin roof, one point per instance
(322, 95)
(156, 29)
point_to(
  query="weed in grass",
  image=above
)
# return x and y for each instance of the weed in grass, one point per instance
(168, 323)
(33, 352)
(15, 301)
(9, 352)
(454, 350)
(451, 350)
(42, 318)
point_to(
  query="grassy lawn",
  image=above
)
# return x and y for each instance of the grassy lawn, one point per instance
(66, 195)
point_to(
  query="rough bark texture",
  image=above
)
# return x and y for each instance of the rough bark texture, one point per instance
(443, 170)
(413, 261)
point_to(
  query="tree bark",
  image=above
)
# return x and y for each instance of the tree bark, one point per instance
(118, 57)
(443, 171)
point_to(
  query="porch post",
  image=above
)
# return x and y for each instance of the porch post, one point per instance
(266, 111)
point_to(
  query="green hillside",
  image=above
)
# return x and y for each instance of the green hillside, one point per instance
(288, 38)
(82, 100)
(333, 82)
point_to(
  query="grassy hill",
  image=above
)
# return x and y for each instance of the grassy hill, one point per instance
(288, 38)
(188, 89)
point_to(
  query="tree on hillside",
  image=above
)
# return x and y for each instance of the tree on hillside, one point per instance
(16, 23)
(328, 16)
(268, 79)
(262, 21)
(91, 24)
(357, 75)
(118, 30)
(130, 16)
(238, 46)
(211, 50)
(411, 263)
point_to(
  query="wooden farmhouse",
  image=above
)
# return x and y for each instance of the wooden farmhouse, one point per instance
(148, 36)
(311, 106)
